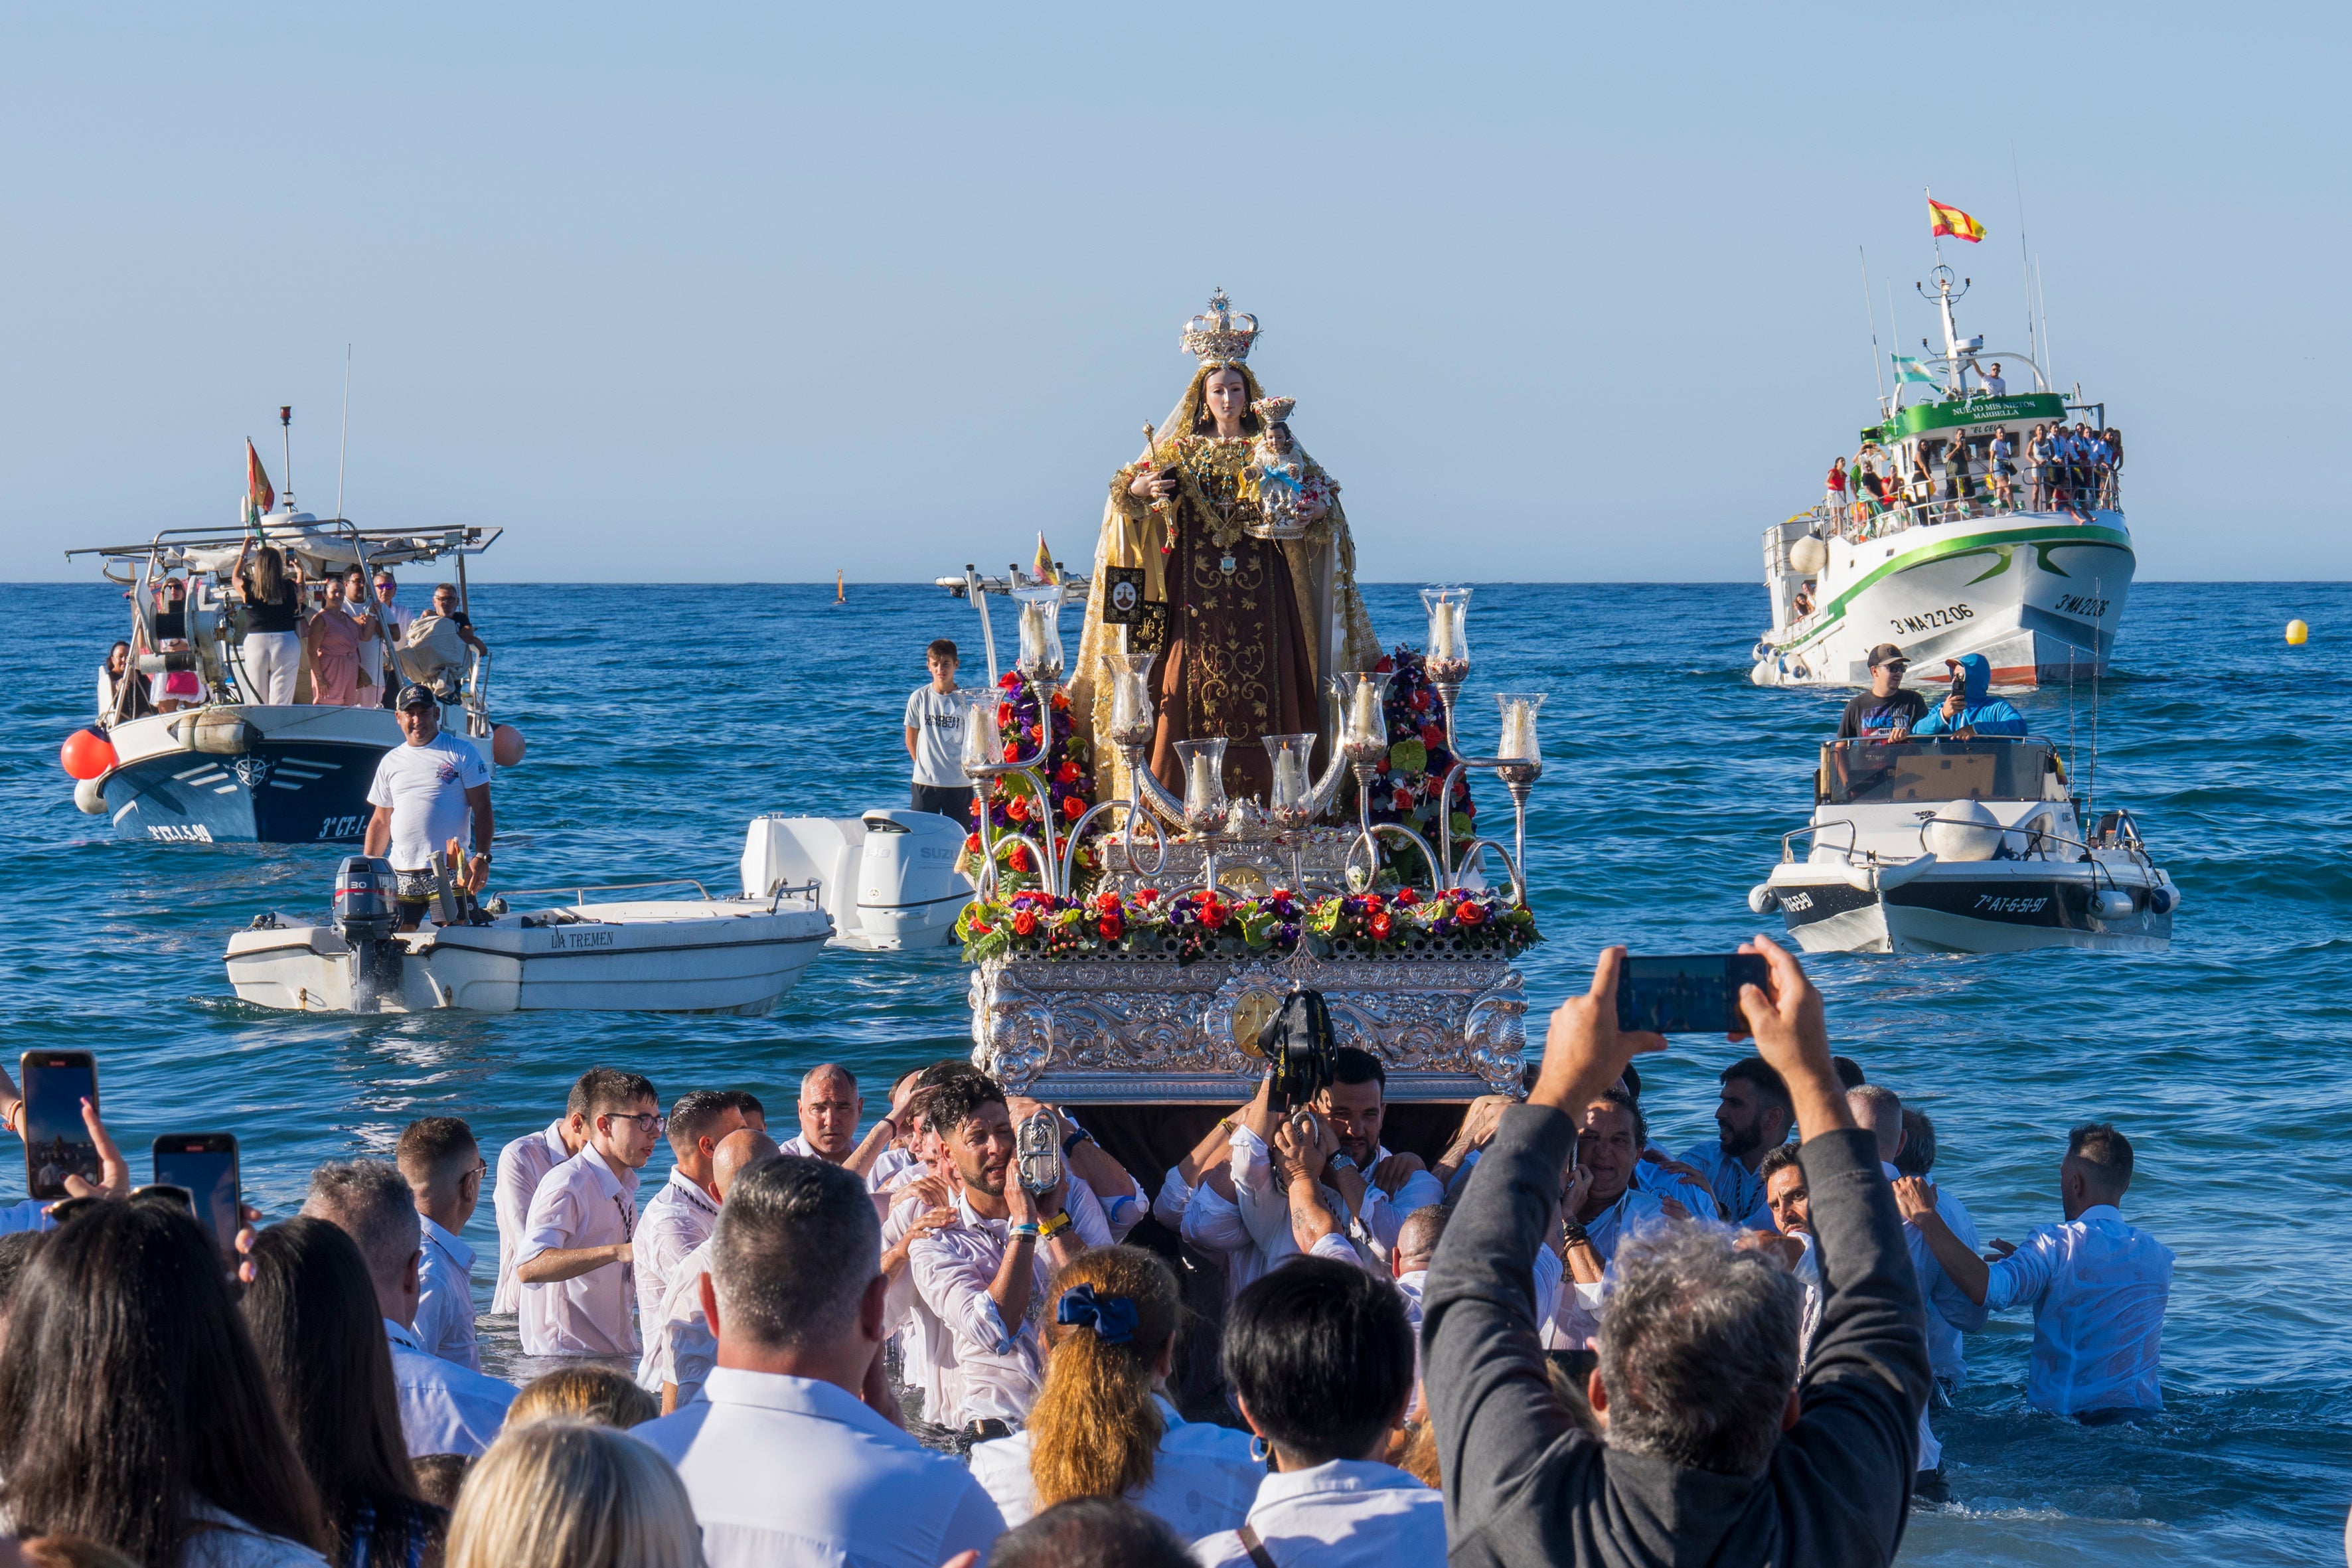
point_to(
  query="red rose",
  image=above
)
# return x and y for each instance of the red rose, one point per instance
(1024, 924)
(1403, 801)
(1146, 895)
(1017, 809)
(1106, 902)
(1372, 904)
(1406, 898)
(980, 928)
(1381, 925)
(1066, 773)
(1037, 733)
(1386, 666)
(1011, 751)
(1213, 913)
(1112, 926)
(1470, 914)
(1061, 700)
(1021, 860)
(971, 844)
(1431, 735)
(1073, 807)
(1420, 700)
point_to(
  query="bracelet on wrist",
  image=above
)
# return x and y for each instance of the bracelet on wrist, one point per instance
(1054, 1227)
(1573, 1234)
(1026, 1231)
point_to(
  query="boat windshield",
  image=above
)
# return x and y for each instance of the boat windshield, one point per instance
(1884, 771)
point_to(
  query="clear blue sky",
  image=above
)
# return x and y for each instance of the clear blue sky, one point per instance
(741, 293)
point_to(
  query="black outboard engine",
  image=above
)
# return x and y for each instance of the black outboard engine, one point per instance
(365, 918)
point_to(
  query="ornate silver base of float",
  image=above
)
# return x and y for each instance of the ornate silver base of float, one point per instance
(1140, 1028)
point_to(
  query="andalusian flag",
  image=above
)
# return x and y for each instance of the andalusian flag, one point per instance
(259, 497)
(1943, 220)
(1910, 370)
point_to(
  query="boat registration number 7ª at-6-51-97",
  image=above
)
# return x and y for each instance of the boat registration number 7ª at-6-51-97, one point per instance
(562, 941)
(2009, 904)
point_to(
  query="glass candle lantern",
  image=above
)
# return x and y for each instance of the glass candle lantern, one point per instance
(1521, 751)
(1041, 633)
(1205, 782)
(1294, 785)
(981, 747)
(1363, 720)
(1448, 659)
(1131, 699)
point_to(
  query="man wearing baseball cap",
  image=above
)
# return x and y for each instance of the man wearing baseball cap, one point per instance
(1886, 712)
(425, 793)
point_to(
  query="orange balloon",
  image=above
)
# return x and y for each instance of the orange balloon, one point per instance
(85, 755)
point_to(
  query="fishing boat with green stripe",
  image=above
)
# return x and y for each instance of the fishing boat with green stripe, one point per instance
(1970, 520)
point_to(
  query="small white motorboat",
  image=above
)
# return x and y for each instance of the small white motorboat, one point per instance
(888, 878)
(654, 955)
(1938, 844)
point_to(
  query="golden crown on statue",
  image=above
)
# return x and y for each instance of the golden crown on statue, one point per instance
(1220, 335)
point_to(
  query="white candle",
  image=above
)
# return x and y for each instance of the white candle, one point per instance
(1199, 795)
(1441, 630)
(1032, 631)
(1290, 778)
(1364, 720)
(1519, 732)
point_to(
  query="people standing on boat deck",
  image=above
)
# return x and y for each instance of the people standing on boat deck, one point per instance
(2002, 470)
(1753, 1116)
(1803, 603)
(522, 1164)
(122, 693)
(1969, 711)
(396, 618)
(271, 652)
(2098, 1287)
(2115, 442)
(1994, 386)
(443, 1166)
(935, 738)
(445, 606)
(982, 1276)
(334, 640)
(426, 791)
(678, 1218)
(1836, 483)
(576, 1260)
(1889, 709)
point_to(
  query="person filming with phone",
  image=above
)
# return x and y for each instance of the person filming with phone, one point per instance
(426, 791)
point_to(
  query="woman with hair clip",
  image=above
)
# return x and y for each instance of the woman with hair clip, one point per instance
(314, 1319)
(1103, 1425)
(133, 1411)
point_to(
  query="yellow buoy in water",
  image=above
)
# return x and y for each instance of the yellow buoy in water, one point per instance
(2296, 632)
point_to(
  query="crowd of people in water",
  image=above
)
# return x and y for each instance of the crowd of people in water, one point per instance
(2053, 466)
(1555, 1339)
(334, 632)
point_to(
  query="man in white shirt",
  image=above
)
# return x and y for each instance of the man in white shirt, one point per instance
(523, 1163)
(574, 1262)
(829, 1110)
(984, 1277)
(1371, 1189)
(1790, 1206)
(1321, 1361)
(445, 1408)
(1753, 1116)
(1610, 1138)
(395, 617)
(429, 789)
(679, 1346)
(2098, 1287)
(783, 1459)
(444, 1169)
(935, 738)
(678, 1218)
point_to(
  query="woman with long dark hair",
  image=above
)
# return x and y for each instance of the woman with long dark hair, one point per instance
(1102, 1425)
(132, 1409)
(312, 1311)
(272, 648)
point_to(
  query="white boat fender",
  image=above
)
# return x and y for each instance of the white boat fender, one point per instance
(217, 732)
(2111, 903)
(1762, 898)
(1964, 830)
(1892, 877)
(91, 795)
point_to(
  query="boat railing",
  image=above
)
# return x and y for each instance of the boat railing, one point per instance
(1858, 521)
(1787, 849)
(580, 891)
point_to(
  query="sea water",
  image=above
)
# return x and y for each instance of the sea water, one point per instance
(661, 719)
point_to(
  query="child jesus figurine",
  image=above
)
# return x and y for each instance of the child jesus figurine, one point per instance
(1276, 474)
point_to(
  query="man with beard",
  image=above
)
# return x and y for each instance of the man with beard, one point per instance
(1367, 1190)
(1752, 1118)
(1792, 1214)
(984, 1276)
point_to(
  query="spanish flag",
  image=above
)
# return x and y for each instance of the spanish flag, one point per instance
(257, 493)
(1943, 220)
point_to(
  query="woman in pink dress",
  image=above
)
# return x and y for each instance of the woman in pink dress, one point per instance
(333, 638)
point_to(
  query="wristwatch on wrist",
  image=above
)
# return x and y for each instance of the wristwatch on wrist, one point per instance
(1342, 1161)
(1572, 1233)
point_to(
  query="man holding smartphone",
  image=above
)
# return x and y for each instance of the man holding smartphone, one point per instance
(577, 1258)
(426, 791)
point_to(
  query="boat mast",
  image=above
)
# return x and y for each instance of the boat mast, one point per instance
(286, 429)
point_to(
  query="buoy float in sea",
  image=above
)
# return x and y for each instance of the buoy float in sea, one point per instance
(86, 753)
(506, 745)
(2296, 633)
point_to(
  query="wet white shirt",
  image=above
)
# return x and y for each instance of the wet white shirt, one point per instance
(1633, 1211)
(1349, 1513)
(445, 1408)
(2098, 1289)
(676, 1220)
(1202, 1480)
(1000, 1366)
(927, 1359)
(1212, 1222)
(889, 1167)
(786, 1472)
(1266, 1209)
(679, 1346)
(1949, 1311)
(444, 1308)
(522, 1164)
(580, 1204)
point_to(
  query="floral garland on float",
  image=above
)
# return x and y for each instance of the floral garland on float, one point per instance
(1406, 785)
(1012, 804)
(1203, 924)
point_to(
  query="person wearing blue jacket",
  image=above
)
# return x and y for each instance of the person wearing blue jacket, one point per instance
(1969, 711)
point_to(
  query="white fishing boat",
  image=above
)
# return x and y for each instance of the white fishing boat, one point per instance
(1951, 556)
(702, 954)
(1939, 845)
(888, 878)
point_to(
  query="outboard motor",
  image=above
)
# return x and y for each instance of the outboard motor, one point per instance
(366, 918)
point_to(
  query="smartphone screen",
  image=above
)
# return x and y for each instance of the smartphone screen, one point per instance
(56, 1144)
(1688, 993)
(204, 1163)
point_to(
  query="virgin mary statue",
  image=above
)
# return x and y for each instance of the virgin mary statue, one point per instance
(1246, 632)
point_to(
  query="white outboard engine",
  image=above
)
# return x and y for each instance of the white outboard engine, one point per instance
(888, 878)
(365, 918)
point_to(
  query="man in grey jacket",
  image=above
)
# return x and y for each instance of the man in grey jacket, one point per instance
(1714, 1451)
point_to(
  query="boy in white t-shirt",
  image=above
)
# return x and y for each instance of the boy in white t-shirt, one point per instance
(425, 792)
(935, 738)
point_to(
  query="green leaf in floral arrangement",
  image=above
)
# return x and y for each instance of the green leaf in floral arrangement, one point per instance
(986, 948)
(1409, 757)
(1316, 943)
(1461, 825)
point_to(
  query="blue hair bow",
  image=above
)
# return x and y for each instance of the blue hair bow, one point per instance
(1112, 1318)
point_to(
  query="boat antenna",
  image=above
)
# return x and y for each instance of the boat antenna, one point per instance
(2070, 707)
(1877, 372)
(343, 447)
(2048, 358)
(2024, 258)
(286, 429)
